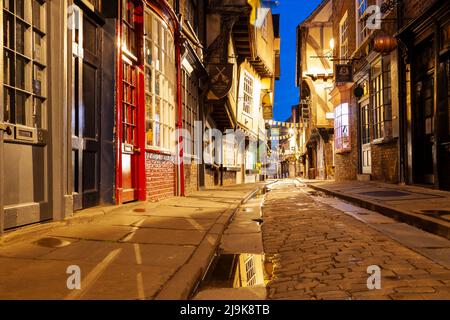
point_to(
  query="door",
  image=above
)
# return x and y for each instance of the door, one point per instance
(86, 64)
(424, 113)
(444, 124)
(130, 150)
(366, 151)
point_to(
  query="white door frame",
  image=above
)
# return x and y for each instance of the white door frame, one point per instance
(366, 148)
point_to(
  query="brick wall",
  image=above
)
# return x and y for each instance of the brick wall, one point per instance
(160, 176)
(229, 178)
(385, 162)
(212, 177)
(190, 177)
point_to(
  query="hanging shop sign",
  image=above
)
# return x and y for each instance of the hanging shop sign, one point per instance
(221, 78)
(344, 73)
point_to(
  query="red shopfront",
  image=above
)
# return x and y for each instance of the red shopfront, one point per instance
(147, 101)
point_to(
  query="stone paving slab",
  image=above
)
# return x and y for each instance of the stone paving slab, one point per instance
(140, 251)
(408, 209)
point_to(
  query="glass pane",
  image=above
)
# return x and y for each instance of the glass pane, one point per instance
(38, 52)
(37, 113)
(8, 68)
(38, 78)
(157, 141)
(8, 26)
(37, 14)
(21, 65)
(148, 52)
(20, 37)
(9, 103)
(20, 8)
(148, 80)
(21, 102)
(158, 109)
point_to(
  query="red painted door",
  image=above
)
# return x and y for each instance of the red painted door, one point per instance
(130, 149)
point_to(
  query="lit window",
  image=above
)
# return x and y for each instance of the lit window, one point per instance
(248, 93)
(380, 92)
(250, 271)
(342, 128)
(159, 84)
(24, 62)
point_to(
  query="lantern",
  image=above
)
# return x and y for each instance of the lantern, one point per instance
(384, 44)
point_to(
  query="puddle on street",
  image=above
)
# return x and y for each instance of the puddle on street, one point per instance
(237, 271)
(52, 242)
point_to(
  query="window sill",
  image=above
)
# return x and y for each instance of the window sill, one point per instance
(160, 151)
(232, 168)
(385, 140)
(343, 151)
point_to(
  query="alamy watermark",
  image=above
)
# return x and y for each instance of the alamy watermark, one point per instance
(374, 280)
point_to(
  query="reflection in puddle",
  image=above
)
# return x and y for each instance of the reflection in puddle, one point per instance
(237, 271)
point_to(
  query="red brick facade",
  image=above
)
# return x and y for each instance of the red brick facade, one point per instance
(190, 177)
(160, 176)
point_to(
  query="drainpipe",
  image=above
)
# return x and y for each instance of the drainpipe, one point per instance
(180, 152)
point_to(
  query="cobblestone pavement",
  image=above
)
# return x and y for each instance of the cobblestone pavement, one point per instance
(320, 252)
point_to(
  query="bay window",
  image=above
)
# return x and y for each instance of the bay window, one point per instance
(342, 128)
(24, 63)
(159, 84)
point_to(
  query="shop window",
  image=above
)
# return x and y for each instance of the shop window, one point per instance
(24, 62)
(159, 84)
(190, 107)
(342, 128)
(381, 98)
(230, 149)
(248, 93)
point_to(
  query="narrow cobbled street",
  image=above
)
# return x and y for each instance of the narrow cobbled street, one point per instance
(320, 252)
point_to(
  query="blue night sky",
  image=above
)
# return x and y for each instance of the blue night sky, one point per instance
(292, 12)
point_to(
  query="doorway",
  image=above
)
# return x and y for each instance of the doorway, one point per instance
(86, 73)
(424, 114)
(444, 123)
(366, 150)
(130, 150)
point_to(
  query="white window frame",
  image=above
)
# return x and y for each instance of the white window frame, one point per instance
(247, 93)
(343, 36)
(361, 24)
(160, 61)
(34, 78)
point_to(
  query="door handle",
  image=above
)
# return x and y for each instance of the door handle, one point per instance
(6, 129)
(137, 150)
